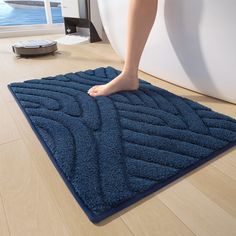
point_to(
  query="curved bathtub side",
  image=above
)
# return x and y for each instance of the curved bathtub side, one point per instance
(192, 43)
(114, 16)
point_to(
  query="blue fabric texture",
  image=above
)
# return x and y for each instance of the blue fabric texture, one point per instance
(112, 151)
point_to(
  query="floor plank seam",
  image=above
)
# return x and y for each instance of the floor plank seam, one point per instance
(4, 212)
(178, 218)
(127, 225)
(12, 141)
(224, 173)
(209, 197)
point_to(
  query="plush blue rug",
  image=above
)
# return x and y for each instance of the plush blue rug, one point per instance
(112, 151)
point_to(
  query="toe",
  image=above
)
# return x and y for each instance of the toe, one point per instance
(92, 89)
(93, 94)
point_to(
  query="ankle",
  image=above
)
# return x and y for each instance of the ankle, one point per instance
(130, 74)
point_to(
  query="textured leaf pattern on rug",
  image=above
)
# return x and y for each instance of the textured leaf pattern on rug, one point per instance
(112, 148)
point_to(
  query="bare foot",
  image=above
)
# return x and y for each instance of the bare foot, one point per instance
(121, 83)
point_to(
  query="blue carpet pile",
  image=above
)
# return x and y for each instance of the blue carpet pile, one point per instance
(112, 151)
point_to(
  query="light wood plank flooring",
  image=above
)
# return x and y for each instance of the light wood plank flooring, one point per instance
(35, 201)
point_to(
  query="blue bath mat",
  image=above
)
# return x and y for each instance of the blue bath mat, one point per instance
(112, 151)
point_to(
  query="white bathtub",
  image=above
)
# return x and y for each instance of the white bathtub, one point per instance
(192, 43)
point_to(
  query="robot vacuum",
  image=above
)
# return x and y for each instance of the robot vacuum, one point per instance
(34, 47)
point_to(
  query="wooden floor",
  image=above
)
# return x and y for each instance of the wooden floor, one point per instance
(35, 201)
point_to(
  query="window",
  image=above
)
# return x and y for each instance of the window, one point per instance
(56, 11)
(30, 12)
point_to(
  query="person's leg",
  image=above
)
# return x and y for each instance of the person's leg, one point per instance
(142, 14)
